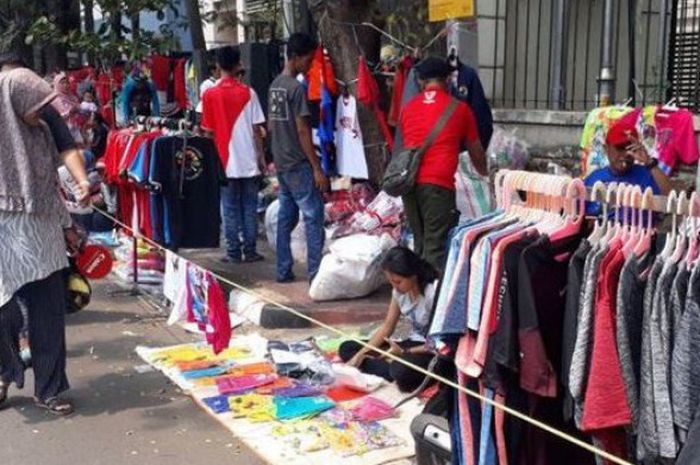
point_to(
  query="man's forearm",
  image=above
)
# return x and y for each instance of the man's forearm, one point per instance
(304, 131)
(661, 180)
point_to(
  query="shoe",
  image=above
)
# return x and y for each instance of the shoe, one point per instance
(286, 279)
(254, 257)
(3, 391)
(228, 259)
(56, 405)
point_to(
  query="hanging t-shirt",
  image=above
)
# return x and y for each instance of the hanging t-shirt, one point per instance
(206, 306)
(419, 117)
(675, 138)
(351, 150)
(231, 110)
(175, 286)
(187, 175)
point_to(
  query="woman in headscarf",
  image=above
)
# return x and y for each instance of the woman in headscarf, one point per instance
(67, 104)
(34, 228)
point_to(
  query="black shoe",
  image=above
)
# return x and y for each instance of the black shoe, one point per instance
(228, 259)
(254, 257)
(286, 279)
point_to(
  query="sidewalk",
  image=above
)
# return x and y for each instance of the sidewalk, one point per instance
(122, 417)
(261, 277)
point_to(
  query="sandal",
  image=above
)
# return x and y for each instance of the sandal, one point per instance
(56, 405)
(3, 391)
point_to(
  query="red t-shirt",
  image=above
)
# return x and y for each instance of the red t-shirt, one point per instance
(418, 118)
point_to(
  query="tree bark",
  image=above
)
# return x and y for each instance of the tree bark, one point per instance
(345, 52)
(89, 24)
(195, 23)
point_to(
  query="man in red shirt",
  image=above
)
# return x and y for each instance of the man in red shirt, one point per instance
(430, 207)
(232, 113)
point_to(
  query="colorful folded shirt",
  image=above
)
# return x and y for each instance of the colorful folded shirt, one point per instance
(217, 404)
(372, 409)
(297, 390)
(287, 408)
(206, 373)
(240, 384)
(254, 407)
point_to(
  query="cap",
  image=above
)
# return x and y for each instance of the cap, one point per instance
(11, 57)
(620, 132)
(433, 68)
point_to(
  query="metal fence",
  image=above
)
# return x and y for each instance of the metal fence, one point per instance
(684, 54)
(548, 54)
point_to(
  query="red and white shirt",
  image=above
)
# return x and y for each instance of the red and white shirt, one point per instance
(231, 110)
(419, 116)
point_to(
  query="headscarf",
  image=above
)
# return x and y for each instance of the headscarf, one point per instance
(28, 155)
(65, 101)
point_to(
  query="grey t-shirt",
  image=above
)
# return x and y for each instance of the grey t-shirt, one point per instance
(286, 102)
(418, 312)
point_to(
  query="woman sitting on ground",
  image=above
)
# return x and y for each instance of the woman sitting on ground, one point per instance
(414, 283)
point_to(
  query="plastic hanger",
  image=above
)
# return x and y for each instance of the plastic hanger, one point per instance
(682, 207)
(693, 212)
(635, 193)
(644, 243)
(671, 208)
(576, 190)
(598, 195)
(614, 225)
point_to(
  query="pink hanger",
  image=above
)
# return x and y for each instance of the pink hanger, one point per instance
(575, 190)
(680, 249)
(644, 243)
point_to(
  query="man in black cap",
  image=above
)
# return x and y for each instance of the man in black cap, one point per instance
(430, 207)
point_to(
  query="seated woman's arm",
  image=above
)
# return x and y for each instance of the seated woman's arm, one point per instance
(381, 334)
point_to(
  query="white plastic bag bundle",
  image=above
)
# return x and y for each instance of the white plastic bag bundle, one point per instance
(298, 242)
(352, 268)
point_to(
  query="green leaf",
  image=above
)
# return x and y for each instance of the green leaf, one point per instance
(103, 29)
(160, 15)
(29, 39)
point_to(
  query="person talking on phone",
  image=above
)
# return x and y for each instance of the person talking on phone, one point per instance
(629, 163)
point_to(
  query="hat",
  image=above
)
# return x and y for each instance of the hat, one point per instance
(433, 68)
(620, 132)
(11, 57)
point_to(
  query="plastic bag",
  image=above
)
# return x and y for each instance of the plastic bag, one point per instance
(472, 191)
(345, 375)
(352, 268)
(298, 241)
(507, 151)
(384, 210)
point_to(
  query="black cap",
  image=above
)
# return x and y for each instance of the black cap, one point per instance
(433, 68)
(11, 57)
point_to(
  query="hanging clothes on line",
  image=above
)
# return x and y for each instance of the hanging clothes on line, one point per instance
(368, 94)
(168, 185)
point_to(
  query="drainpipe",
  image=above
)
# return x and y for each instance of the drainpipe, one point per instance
(606, 80)
(560, 47)
(661, 47)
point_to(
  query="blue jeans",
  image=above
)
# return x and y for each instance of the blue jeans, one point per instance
(298, 192)
(239, 199)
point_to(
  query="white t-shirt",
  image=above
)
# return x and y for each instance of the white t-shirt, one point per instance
(175, 286)
(417, 312)
(350, 149)
(205, 86)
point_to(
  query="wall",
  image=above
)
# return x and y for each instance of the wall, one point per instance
(554, 136)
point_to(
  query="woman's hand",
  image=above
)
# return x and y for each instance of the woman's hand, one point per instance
(357, 360)
(394, 347)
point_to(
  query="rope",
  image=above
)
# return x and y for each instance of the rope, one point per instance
(521, 416)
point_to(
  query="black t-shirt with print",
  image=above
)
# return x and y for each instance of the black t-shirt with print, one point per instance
(189, 191)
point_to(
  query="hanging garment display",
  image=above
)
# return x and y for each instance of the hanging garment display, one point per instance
(350, 148)
(206, 306)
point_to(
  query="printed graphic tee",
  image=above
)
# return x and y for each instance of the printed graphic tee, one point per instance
(349, 145)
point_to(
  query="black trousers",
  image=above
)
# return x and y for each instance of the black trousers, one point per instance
(46, 305)
(431, 212)
(406, 378)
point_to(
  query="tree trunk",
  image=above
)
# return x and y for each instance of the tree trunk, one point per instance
(55, 55)
(340, 42)
(89, 24)
(135, 32)
(195, 24)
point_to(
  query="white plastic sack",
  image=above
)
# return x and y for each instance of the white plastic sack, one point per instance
(298, 234)
(472, 191)
(346, 375)
(352, 268)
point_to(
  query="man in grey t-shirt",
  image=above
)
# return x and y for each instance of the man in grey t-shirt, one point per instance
(298, 168)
